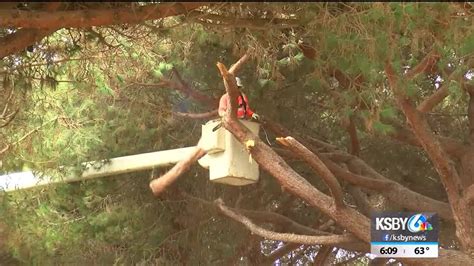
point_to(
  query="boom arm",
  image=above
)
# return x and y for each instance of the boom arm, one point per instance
(115, 166)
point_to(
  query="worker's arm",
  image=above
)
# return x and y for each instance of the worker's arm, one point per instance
(223, 103)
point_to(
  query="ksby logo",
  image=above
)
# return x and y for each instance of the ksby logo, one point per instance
(418, 222)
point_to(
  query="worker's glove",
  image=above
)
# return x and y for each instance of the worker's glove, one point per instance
(255, 116)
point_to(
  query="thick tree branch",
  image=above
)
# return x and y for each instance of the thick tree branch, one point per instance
(159, 185)
(442, 92)
(426, 64)
(18, 41)
(318, 166)
(352, 130)
(357, 180)
(231, 87)
(451, 146)
(245, 22)
(238, 65)
(303, 239)
(445, 168)
(429, 103)
(88, 18)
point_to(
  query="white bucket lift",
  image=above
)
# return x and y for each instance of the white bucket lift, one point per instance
(227, 159)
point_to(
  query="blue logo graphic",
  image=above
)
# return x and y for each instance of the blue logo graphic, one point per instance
(386, 237)
(419, 222)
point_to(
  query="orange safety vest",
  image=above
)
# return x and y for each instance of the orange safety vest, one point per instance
(243, 110)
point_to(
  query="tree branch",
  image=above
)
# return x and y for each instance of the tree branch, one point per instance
(22, 38)
(187, 89)
(429, 103)
(18, 41)
(470, 114)
(88, 18)
(451, 146)
(303, 239)
(358, 180)
(238, 65)
(427, 63)
(245, 22)
(265, 216)
(442, 92)
(159, 185)
(445, 168)
(352, 130)
(318, 166)
(231, 88)
(206, 115)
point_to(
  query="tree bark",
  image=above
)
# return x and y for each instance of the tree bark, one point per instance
(88, 18)
(159, 185)
(318, 166)
(18, 41)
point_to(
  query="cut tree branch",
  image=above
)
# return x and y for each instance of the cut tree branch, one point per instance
(238, 65)
(88, 18)
(318, 166)
(159, 185)
(293, 238)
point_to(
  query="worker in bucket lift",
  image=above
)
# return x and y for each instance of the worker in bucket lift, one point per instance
(243, 111)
